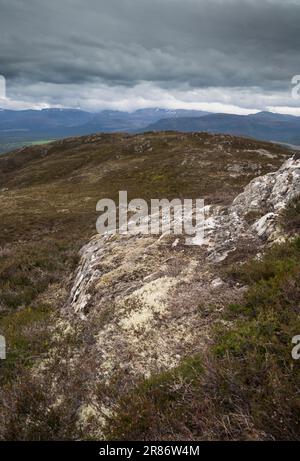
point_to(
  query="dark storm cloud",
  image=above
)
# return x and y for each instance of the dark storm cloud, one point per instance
(203, 43)
(131, 53)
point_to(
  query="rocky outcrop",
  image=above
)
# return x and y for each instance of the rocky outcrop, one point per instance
(252, 219)
(152, 299)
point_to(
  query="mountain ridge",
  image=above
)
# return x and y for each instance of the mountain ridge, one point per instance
(23, 127)
(18, 128)
(265, 126)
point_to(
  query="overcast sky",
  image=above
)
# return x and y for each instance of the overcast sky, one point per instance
(217, 55)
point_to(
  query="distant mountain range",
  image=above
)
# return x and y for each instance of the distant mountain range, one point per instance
(23, 127)
(27, 126)
(264, 126)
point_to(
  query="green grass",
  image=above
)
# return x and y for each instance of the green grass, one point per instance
(41, 142)
(27, 334)
(28, 270)
(257, 349)
(9, 145)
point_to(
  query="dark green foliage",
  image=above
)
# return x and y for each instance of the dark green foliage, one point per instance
(256, 350)
(291, 216)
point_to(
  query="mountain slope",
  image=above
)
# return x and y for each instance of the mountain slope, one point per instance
(92, 339)
(264, 126)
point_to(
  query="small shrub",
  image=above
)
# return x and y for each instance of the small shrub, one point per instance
(155, 408)
(256, 350)
(291, 216)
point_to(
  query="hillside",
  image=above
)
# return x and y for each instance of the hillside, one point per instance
(143, 337)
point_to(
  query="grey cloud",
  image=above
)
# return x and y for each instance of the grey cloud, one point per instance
(170, 43)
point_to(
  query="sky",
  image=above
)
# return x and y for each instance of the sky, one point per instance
(233, 56)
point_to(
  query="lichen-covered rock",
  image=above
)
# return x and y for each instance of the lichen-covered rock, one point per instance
(149, 298)
(266, 196)
(119, 267)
